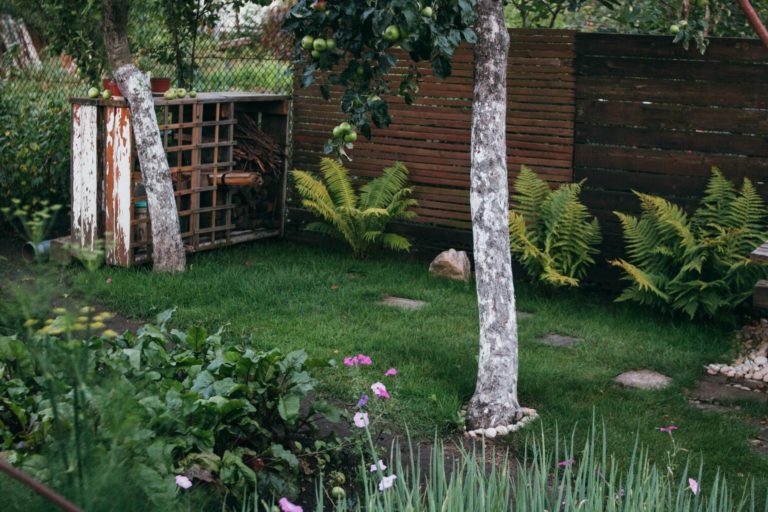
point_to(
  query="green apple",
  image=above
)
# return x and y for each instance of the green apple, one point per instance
(93, 92)
(345, 127)
(181, 92)
(338, 493)
(338, 132)
(674, 29)
(193, 93)
(105, 94)
(360, 70)
(306, 42)
(427, 11)
(392, 33)
(350, 137)
(315, 54)
(170, 94)
(330, 44)
(319, 44)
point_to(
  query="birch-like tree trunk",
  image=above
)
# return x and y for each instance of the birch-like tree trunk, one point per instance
(167, 249)
(495, 400)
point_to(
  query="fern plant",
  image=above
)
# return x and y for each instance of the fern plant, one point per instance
(551, 231)
(359, 219)
(698, 265)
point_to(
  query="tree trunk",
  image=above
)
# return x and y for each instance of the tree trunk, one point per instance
(495, 400)
(167, 249)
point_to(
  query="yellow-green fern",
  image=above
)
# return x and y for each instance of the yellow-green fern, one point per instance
(551, 232)
(361, 219)
(700, 265)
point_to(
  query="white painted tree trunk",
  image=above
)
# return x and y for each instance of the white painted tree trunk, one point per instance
(167, 249)
(495, 400)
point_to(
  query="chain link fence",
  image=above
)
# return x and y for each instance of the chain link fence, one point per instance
(205, 45)
(228, 50)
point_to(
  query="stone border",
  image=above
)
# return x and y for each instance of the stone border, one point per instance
(529, 415)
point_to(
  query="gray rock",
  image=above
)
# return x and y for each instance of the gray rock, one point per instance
(558, 340)
(643, 379)
(451, 264)
(402, 303)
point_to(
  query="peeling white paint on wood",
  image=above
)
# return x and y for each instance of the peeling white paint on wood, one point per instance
(84, 175)
(117, 171)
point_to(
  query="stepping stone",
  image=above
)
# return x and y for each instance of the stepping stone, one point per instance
(715, 390)
(558, 340)
(402, 303)
(643, 379)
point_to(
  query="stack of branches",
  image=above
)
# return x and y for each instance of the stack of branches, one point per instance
(256, 151)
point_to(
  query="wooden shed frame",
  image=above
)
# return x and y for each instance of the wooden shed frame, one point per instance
(198, 136)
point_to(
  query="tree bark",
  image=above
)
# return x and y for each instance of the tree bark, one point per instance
(495, 400)
(167, 248)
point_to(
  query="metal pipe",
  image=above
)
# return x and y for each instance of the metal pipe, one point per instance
(33, 251)
(754, 20)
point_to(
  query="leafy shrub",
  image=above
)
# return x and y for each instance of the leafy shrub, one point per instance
(163, 403)
(360, 219)
(698, 265)
(34, 148)
(551, 231)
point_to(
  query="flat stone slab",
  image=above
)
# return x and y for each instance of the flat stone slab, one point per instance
(714, 390)
(402, 303)
(558, 340)
(643, 379)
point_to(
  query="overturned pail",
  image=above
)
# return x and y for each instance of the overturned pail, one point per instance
(34, 251)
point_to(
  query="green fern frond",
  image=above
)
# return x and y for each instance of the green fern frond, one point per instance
(395, 242)
(381, 192)
(337, 180)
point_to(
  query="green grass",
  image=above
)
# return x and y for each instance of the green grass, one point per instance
(292, 296)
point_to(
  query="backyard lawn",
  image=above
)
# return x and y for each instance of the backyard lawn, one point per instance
(294, 296)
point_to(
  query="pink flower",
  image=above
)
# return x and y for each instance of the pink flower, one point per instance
(109, 280)
(361, 419)
(387, 482)
(391, 372)
(287, 506)
(667, 429)
(380, 390)
(566, 463)
(363, 400)
(694, 486)
(183, 482)
(378, 466)
(358, 359)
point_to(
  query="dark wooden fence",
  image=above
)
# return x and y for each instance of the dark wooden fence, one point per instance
(625, 112)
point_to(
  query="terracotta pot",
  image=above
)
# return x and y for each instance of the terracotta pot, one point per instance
(112, 87)
(160, 85)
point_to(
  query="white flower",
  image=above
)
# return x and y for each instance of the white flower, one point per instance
(387, 482)
(378, 465)
(361, 419)
(183, 482)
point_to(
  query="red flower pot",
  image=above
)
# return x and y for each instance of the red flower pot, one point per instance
(160, 85)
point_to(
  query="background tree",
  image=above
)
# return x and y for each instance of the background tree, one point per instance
(167, 248)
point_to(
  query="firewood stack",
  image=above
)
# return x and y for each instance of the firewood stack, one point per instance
(256, 152)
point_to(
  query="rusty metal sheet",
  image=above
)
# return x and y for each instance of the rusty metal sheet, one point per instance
(117, 176)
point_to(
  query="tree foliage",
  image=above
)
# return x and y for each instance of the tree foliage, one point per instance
(551, 231)
(363, 53)
(359, 219)
(697, 265)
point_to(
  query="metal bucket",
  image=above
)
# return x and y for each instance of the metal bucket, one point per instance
(32, 251)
